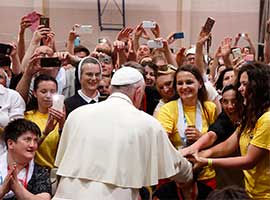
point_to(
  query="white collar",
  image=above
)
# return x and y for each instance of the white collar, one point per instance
(88, 99)
(121, 96)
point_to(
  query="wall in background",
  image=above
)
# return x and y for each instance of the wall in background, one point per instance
(188, 16)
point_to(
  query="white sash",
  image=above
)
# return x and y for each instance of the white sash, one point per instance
(182, 121)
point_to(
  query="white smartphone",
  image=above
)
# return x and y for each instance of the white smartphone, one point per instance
(58, 102)
(148, 24)
(84, 29)
(154, 44)
(237, 53)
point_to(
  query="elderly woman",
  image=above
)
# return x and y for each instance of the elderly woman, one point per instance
(20, 176)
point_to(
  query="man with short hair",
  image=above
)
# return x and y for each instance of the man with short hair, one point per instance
(111, 149)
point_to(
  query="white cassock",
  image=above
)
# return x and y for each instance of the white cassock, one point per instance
(111, 149)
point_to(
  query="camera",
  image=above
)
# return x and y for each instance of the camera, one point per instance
(155, 44)
(179, 35)
(5, 49)
(44, 21)
(208, 25)
(148, 24)
(84, 29)
(50, 62)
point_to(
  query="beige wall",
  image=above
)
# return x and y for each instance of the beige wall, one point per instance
(173, 15)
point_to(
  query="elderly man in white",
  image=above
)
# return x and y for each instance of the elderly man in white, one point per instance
(111, 149)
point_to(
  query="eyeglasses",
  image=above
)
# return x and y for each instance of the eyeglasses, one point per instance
(166, 69)
(105, 59)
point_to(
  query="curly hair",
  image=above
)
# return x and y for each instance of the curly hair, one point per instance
(257, 99)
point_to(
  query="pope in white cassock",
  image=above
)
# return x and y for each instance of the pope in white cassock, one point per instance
(111, 149)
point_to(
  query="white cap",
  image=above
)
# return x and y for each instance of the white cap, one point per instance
(126, 76)
(191, 50)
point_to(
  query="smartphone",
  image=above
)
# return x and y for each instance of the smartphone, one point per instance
(237, 53)
(249, 58)
(179, 35)
(77, 41)
(242, 34)
(50, 62)
(148, 24)
(208, 25)
(5, 49)
(44, 21)
(58, 102)
(102, 40)
(154, 44)
(84, 29)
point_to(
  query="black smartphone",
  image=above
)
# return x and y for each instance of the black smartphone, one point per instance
(5, 49)
(208, 25)
(50, 62)
(178, 35)
(44, 21)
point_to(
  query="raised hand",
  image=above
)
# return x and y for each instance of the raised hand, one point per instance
(156, 31)
(124, 34)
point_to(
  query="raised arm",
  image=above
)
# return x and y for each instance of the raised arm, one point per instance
(25, 23)
(199, 57)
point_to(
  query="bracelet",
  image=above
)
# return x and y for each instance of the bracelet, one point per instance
(210, 162)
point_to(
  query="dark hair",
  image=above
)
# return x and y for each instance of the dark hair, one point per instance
(135, 65)
(33, 104)
(43, 77)
(257, 93)
(219, 83)
(202, 93)
(228, 87)
(81, 48)
(152, 65)
(230, 192)
(18, 127)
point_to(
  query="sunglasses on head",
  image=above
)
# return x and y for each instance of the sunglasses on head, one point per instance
(167, 68)
(105, 59)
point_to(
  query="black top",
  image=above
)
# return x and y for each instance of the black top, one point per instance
(40, 182)
(223, 127)
(76, 101)
(152, 99)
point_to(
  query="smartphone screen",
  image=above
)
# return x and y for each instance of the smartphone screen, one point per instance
(148, 24)
(208, 25)
(5, 49)
(44, 21)
(50, 62)
(179, 35)
(58, 102)
(237, 53)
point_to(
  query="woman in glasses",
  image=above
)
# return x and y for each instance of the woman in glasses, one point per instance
(188, 117)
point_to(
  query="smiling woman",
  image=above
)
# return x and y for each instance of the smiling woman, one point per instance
(20, 177)
(48, 119)
(188, 117)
